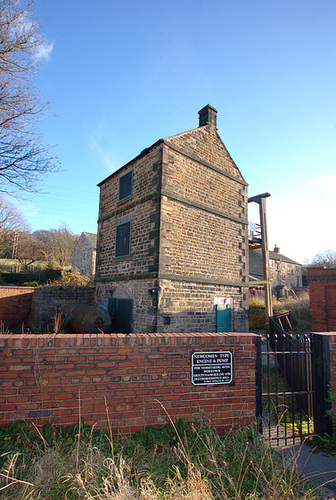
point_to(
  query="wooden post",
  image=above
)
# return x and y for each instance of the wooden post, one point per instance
(261, 200)
(265, 259)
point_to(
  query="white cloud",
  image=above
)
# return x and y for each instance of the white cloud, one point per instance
(103, 143)
(43, 52)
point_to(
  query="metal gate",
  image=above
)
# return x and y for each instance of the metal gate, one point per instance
(285, 389)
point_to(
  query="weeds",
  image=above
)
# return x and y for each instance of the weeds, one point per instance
(297, 305)
(58, 322)
(179, 461)
(299, 308)
(4, 330)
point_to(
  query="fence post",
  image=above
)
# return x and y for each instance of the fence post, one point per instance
(321, 383)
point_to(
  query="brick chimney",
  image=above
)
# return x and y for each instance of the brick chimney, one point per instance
(208, 116)
(276, 249)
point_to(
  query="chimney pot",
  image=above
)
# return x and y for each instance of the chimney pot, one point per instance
(208, 116)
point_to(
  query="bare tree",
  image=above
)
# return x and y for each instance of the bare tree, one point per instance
(28, 249)
(23, 157)
(12, 222)
(57, 245)
(326, 258)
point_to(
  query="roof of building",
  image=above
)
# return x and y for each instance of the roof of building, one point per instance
(210, 118)
(92, 238)
(277, 256)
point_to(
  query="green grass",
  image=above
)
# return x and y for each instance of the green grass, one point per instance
(178, 461)
(9, 264)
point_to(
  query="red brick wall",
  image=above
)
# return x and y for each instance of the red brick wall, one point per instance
(47, 378)
(15, 303)
(332, 343)
(322, 293)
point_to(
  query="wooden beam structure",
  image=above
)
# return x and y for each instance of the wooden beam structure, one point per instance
(261, 201)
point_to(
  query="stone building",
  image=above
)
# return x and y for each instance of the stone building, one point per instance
(83, 257)
(285, 273)
(172, 252)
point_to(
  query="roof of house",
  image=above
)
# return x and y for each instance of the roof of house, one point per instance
(92, 238)
(277, 256)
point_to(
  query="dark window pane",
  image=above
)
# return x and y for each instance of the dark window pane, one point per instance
(123, 239)
(125, 185)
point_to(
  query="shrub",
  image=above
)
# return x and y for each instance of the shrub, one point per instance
(73, 279)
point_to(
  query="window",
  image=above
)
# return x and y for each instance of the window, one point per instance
(123, 239)
(126, 185)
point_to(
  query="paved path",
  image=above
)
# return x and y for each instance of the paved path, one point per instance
(319, 467)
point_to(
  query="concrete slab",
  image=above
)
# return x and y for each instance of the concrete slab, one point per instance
(318, 467)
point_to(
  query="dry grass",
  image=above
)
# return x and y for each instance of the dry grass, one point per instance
(179, 462)
(298, 306)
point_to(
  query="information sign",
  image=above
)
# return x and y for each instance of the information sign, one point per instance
(209, 368)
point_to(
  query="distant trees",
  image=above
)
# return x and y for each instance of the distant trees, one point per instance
(23, 158)
(28, 249)
(326, 258)
(57, 245)
(54, 246)
(11, 223)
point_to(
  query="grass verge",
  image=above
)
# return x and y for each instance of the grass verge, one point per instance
(178, 461)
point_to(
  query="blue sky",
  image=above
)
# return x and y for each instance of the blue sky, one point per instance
(122, 74)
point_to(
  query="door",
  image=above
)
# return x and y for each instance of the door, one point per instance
(223, 315)
(121, 311)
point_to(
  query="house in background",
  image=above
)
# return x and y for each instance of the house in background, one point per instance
(173, 237)
(285, 273)
(84, 255)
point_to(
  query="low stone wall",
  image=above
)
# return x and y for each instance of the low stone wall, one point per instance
(48, 300)
(134, 378)
(257, 318)
(15, 304)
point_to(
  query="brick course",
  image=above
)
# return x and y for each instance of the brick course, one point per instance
(322, 294)
(46, 378)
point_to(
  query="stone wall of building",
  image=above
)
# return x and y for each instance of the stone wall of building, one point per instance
(144, 307)
(203, 233)
(84, 257)
(189, 306)
(200, 244)
(142, 210)
(188, 215)
(284, 272)
(48, 300)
